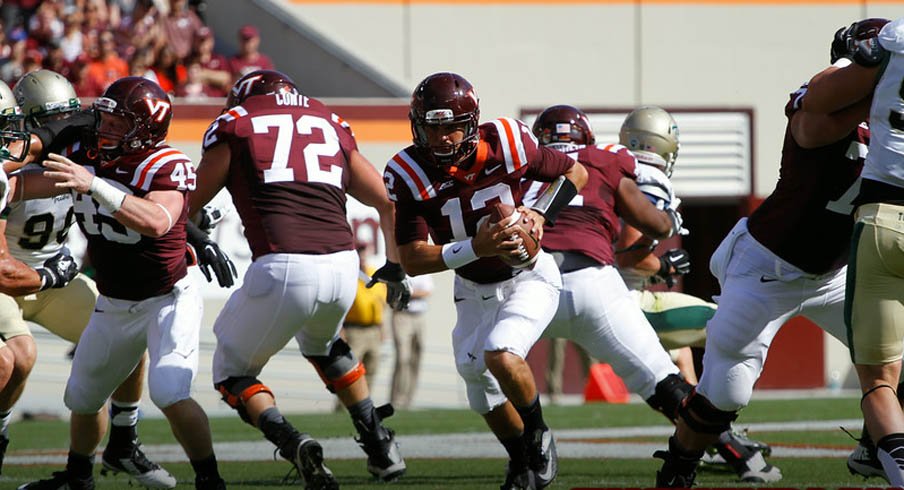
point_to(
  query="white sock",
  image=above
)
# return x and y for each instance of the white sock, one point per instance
(123, 414)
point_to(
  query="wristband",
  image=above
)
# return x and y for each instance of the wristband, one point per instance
(106, 195)
(458, 254)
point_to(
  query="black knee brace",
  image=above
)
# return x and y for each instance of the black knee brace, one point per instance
(237, 390)
(701, 416)
(338, 369)
(669, 394)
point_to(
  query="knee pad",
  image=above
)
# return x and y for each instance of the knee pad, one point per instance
(236, 391)
(701, 416)
(338, 369)
(669, 394)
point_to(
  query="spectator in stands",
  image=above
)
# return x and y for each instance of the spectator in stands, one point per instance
(214, 67)
(14, 13)
(85, 85)
(249, 59)
(107, 66)
(408, 338)
(140, 65)
(181, 27)
(72, 40)
(94, 19)
(14, 67)
(169, 70)
(45, 26)
(195, 89)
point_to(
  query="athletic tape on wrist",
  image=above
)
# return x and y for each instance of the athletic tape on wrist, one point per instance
(106, 195)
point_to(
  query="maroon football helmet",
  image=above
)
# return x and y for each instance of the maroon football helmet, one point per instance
(860, 42)
(144, 111)
(563, 125)
(260, 82)
(445, 99)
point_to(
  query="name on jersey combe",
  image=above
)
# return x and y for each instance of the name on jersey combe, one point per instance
(292, 99)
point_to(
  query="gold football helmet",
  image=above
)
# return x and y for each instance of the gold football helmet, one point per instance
(651, 133)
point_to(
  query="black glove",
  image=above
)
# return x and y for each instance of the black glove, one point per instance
(398, 291)
(207, 254)
(57, 271)
(675, 259)
(839, 47)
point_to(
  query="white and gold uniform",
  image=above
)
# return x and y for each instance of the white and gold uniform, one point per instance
(36, 230)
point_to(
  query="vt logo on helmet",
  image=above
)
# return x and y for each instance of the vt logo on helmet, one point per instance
(444, 117)
(260, 82)
(133, 115)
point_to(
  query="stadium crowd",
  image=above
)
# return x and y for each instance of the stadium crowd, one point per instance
(95, 42)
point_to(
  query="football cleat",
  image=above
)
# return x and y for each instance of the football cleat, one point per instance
(542, 457)
(674, 472)
(60, 481)
(205, 483)
(384, 460)
(136, 464)
(746, 459)
(519, 479)
(4, 443)
(864, 461)
(307, 455)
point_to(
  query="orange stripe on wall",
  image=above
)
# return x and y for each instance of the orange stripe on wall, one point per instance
(594, 2)
(369, 131)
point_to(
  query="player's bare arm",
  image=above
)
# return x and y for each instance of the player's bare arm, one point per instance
(212, 172)
(419, 257)
(637, 211)
(634, 250)
(16, 278)
(366, 185)
(834, 89)
(152, 215)
(812, 130)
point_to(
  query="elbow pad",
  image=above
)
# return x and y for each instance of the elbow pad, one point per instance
(555, 198)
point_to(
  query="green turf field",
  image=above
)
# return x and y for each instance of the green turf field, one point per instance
(34, 437)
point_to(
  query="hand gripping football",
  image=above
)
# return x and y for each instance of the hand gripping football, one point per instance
(530, 246)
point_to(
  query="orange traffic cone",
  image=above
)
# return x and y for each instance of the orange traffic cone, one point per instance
(603, 385)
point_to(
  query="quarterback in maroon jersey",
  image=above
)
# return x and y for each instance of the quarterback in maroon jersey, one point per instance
(444, 186)
(770, 271)
(130, 202)
(288, 162)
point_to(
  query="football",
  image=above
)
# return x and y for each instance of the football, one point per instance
(530, 246)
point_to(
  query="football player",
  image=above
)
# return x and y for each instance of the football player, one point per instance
(130, 202)
(679, 319)
(288, 162)
(652, 136)
(16, 277)
(769, 271)
(36, 230)
(445, 186)
(596, 310)
(874, 55)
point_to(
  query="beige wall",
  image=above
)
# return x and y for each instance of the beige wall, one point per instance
(620, 55)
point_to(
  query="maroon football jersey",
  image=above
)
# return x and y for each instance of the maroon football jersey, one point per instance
(130, 265)
(590, 223)
(807, 219)
(448, 205)
(289, 173)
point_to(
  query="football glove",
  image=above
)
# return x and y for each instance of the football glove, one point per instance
(676, 260)
(57, 271)
(398, 290)
(209, 217)
(207, 255)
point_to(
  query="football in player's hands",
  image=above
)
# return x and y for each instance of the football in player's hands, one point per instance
(530, 245)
